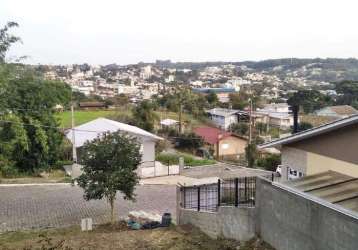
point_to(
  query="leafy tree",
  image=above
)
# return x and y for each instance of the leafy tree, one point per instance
(348, 93)
(240, 128)
(238, 100)
(309, 100)
(144, 116)
(261, 127)
(302, 126)
(7, 39)
(121, 100)
(269, 162)
(212, 98)
(251, 154)
(30, 100)
(189, 141)
(109, 165)
(14, 142)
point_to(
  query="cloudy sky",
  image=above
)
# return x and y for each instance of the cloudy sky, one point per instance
(129, 31)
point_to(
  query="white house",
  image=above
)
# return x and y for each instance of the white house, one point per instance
(90, 130)
(277, 107)
(223, 118)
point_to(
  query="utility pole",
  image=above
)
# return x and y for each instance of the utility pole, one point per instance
(180, 117)
(250, 121)
(74, 152)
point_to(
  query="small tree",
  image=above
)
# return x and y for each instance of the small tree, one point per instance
(189, 141)
(240, 128)
(269, 162)
(251, 154)
(109, 165)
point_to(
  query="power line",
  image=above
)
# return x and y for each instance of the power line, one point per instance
(58, 128)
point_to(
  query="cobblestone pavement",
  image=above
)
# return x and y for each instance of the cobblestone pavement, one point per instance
(34, 207)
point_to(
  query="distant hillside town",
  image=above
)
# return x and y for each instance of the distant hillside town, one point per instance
(271, 79)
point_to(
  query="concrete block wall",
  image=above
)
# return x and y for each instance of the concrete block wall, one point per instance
(228, 222)
(288, 221)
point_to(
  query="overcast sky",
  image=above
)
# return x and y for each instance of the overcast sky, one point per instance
(130, 31)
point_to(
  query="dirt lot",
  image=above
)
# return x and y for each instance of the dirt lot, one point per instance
(105, 237)
(174, 238)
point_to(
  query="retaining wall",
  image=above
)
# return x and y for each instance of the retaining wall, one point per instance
(289, 221)
(228, 222)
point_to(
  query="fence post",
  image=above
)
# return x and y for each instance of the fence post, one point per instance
(219, 189)
(236, 192)
(198, 198)
(168, 168)
(155, 174)
(272, 177)
(246, 189)
(184, 193)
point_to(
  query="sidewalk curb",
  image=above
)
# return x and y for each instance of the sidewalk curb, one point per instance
(35, 184)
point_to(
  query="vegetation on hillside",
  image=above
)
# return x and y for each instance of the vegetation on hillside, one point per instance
(29, 138)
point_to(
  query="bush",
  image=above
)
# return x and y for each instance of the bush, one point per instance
(240, 128)
(160, 146)
(189, 141)
(8, 169)
(173, 159)
(269, 162)
(251, 154)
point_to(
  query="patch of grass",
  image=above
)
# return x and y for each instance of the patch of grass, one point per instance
(188, 118)
(189, 160)
(82, 116)
(54, 176)
(256, 244)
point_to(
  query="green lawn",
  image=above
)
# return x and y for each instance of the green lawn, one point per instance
(82, 116)
(86, 116)
(189, 160)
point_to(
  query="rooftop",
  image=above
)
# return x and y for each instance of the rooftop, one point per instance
(333, 187)
(222, 111)
(91, 130)
(323, 129)
(343, 110)
(211, 135)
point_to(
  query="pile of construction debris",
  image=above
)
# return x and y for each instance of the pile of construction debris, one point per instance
(145, 220)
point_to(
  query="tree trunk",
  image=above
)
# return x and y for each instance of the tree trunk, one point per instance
(111, 202)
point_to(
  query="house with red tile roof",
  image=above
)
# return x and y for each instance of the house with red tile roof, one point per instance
(225, 145)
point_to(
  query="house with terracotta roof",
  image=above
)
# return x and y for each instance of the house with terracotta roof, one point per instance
(341, 111)
(225, 145)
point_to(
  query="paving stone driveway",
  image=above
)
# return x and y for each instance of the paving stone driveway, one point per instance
(28, 207)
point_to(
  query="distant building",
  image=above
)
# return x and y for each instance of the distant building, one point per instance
(222, 93)
(223, 118)
(275, 115)
(341, 111)
(146, 72)
(92, 105)
(91, 130)
(224, 145)
(276, 107)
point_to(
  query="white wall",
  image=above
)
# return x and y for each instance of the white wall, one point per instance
(148, 150)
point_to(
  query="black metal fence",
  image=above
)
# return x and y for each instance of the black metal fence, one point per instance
(238, 192)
